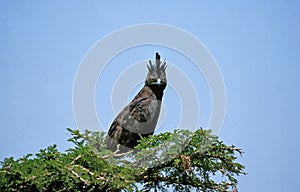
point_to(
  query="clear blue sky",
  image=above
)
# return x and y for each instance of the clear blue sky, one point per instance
(255, 43)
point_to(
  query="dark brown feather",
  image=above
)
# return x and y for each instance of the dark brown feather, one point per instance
(140, 116)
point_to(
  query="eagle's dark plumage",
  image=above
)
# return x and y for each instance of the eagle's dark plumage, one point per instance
(140, 116)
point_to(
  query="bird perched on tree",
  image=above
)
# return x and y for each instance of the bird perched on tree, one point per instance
(139, 117)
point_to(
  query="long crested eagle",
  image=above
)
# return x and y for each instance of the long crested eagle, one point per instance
(139, 117)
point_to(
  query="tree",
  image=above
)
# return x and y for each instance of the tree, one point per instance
(181, 161)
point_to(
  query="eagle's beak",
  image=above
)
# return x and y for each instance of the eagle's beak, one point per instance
(158, 82)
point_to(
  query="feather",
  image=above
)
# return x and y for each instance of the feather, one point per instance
(140, 116)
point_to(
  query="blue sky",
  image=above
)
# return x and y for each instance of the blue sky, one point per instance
(256, 44)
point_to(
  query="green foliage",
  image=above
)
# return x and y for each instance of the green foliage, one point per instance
(181, 161)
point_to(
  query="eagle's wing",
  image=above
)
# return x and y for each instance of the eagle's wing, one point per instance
(127, 126)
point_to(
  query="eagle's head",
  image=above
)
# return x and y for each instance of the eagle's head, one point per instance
(156, 77)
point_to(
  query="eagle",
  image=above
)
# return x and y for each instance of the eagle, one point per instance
(140, 116)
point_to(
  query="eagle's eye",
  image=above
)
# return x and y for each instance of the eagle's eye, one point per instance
(152, 80)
